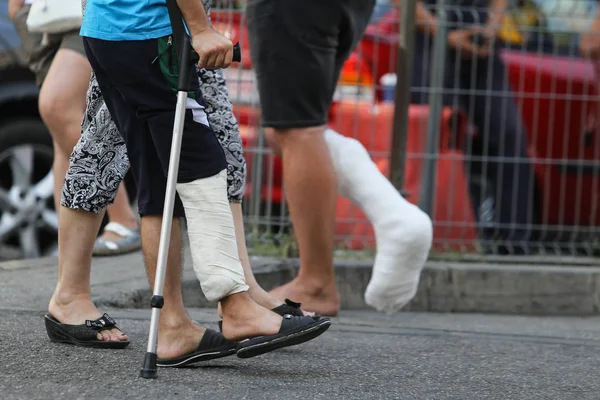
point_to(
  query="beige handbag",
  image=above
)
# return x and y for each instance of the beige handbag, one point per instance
(54, 16)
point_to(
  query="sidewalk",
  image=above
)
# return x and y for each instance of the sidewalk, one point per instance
(559, 289)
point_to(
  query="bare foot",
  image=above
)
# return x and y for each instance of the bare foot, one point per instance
(178, 340)
(243, 318)
(323, 300)
(75, 310)
(263, 298)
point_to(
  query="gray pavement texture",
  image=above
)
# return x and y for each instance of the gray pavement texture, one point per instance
(364, 355)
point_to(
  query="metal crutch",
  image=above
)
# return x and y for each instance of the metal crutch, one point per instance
(187, 57)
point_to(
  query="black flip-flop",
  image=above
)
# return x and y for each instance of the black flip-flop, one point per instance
(289, 307)
(85, 335)
(213, 345)
(293, 331)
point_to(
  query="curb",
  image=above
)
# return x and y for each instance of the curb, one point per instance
(444, 287)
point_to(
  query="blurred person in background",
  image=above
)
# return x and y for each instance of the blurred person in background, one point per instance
(63, 72)
(475, 79)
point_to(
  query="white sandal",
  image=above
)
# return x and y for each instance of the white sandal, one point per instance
(132, 241)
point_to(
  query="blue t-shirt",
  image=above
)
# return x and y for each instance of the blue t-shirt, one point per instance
(126, 19)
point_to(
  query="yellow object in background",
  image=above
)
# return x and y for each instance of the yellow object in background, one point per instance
(517, 25)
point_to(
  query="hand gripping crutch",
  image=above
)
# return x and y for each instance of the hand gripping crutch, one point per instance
(187, 58)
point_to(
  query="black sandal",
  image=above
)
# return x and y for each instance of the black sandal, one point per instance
(85, 335)
(289, 307)
(293, 331)
(213, 345)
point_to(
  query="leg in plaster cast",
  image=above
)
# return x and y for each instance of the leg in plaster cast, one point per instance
(403, 232)
(216, 261)
(310, 185)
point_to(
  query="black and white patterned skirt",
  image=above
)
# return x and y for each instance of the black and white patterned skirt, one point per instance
(99, 161)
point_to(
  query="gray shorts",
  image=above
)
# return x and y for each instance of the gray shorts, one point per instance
(99, 161)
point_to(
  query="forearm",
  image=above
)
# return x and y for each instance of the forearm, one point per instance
(426, 21)
(194, 15)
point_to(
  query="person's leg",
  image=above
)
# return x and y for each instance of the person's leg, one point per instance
(61, 106)
(178, 334)
(403, 232)
(71, 302)
(223, 122)
(504, 136)
(97, 166)
(121, 212)
(295, 91)
(256, 291)
(311, 194)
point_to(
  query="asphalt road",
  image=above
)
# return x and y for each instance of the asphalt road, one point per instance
(364, 355)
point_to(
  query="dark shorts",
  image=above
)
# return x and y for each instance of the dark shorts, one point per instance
(298, 49)
(139, 88)
(40, 49)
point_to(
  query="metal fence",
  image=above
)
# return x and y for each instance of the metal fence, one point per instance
(499, 141)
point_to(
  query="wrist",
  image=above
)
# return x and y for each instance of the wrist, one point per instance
(197, 28)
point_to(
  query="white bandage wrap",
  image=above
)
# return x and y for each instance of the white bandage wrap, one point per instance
(403, 232)
(212, 236)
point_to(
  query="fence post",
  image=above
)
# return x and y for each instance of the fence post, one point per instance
(406, 43)
(256, 184)
(428, 183)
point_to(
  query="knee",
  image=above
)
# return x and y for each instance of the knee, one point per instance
(282, 139)
(60, 112)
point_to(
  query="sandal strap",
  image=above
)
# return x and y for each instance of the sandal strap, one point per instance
(104, 322)
(292, 303)
(119, 229)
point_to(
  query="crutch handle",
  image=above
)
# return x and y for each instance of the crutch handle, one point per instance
(237, 54)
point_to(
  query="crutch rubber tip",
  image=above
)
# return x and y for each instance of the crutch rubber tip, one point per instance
(149, 370)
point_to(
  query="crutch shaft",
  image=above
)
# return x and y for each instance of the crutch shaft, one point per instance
(149, 368)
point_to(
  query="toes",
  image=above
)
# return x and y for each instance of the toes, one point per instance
(117, 335)
(103, 335)
(114, 335)
(122, 336)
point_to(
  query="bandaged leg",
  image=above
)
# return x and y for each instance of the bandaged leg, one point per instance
(403, 232)
(212, 236)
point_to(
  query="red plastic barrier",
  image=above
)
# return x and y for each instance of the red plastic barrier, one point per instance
(372, 126)
(559, 103)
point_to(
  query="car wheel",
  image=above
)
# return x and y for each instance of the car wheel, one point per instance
(28, 220)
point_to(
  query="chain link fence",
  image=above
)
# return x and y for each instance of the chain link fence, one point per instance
(496, 137)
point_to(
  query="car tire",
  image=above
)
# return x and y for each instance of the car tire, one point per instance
(31, 134)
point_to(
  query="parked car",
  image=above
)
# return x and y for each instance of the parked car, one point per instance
(28, 221)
